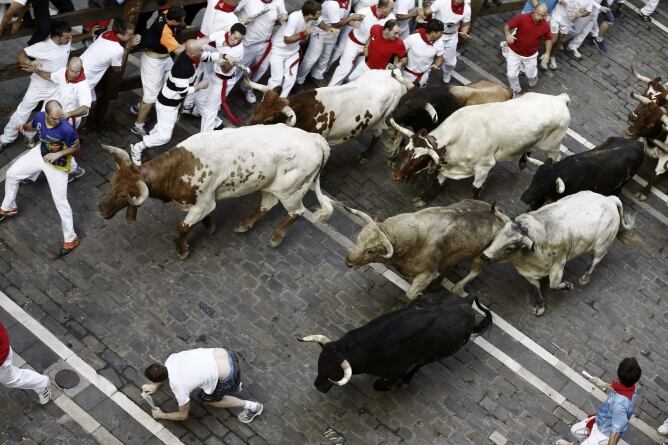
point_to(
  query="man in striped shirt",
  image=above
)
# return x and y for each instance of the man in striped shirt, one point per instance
(179, 83)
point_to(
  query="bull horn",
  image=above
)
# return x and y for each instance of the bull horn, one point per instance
(662, 145)
(256, 86)
(120, 154)
(365, 217)
(639, 76)
(290, 114)
(400, 129)
(389, 249)
(142, 197)
(323, 340)
(347, 374)
(561, 187)
(534, 161)
(434, 156)
(640, 98)
(432, 112)
(527, 242)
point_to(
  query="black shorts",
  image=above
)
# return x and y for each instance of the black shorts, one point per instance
(228, 386)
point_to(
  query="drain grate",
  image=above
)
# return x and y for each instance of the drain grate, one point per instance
(67, 379)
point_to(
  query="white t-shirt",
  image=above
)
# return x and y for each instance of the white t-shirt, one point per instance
(361, 33)
(404, 7)
(215, 19)
(294, 25)
(52, 56)
(260, 29)
(102, 54)
(332, 12)
(570, 10)
(420, 54)
(224, 48)
(71, 95)
(442, 10)
(189, 370)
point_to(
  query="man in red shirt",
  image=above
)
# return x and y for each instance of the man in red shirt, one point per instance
(523, 46)
(13, 377)
(384, 47)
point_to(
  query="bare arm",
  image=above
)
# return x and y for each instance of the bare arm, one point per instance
(79, 112)
(506, 32)
(85, 35)
(347, 20)
(180, 415)
(438, 62)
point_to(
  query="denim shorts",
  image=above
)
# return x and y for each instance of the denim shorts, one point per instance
(608, 16)
(230, 385)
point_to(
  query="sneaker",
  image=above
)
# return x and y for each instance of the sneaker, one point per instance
(4, 214)
(553, 63)
(663, 429)
(45, 396)
(139, 131)
(190, 112)
(68, 248)
(574, 52)
(135, 154)
(516, 94)
(248, 414)
(76, 174)
(646, 18)
(250, 96)
(533, 82)
(447, 78)
(601, 45)
(543, 66)
(220, 126)
(134, 109)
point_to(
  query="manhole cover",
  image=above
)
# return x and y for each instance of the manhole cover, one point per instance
(67, 379)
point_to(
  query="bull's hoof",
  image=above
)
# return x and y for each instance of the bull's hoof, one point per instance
(241, 228)
(363, 159)
(390, 163)
(584, 279)
(211, 229)
(382, 385)
(567, 285)
(419, 202)
(538, 311)
(641, 196)
(183, 253)
(523, 164)
(276, 240)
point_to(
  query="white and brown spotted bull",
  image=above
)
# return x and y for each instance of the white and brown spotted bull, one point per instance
(279, 161)
(337, 113)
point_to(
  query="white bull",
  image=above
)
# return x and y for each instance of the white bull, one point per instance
(539, 243)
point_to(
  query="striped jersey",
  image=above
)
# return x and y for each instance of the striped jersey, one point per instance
(180, 81)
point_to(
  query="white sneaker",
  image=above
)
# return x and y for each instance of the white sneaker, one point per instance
(45, 396)
(663, 429)
(533, 82)
(553, 63)
(447, 78)
(248, 414)
(574, 52)
(250, 96)
(135, 154)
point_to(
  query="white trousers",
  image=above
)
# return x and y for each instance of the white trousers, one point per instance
(284, 70)
(582, 27)
(449, 55)
(29, 166)
(515, 63)
(359, 69)
(153, 74)
(649, 7)
(340, 45)
(316, 60)
(13, 377)
(164, 127)
(352, 55)
(411, 77)
(252, 55)
(210, 99)
(38, 90)
(582, 434)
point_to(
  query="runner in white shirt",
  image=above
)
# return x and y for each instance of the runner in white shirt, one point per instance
(335, 16)
(425, 52)
(214, 371)
(456, 18)
(260, 16)
(561, 22)
(228, 51)
(284, 56)
(49, 55)
(405, 10)
(108, 50)
(357, 38)
(219, 15)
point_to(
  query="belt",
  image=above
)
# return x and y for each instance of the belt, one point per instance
(155, 55)
(418, 75)
(354, 39)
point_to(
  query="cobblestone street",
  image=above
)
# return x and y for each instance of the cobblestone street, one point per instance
(124, 300)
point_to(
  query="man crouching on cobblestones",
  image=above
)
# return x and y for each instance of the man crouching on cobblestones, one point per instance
(215, 371)
(612, 417)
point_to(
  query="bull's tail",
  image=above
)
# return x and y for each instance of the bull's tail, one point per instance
(626, 223)
(326, 207)
(486, 322)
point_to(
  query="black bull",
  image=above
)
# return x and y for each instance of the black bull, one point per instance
(394, 346)
(604, 170)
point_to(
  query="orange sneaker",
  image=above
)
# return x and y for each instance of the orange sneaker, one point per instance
(4, 214)
(69, 247)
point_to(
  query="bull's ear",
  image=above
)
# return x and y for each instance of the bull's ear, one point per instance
(560, 186)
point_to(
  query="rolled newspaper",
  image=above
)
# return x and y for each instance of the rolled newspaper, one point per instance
(147, 397)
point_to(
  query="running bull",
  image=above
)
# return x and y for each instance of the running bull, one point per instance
(539, 243)
(395, 345)
(475, 138)
(337, 113)
(604, 170)
(279, 161)
(424, 245)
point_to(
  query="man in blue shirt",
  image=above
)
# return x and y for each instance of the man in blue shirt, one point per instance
(612, 416)
(58, 141)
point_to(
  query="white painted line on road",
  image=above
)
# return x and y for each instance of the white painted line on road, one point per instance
(658, 24)
(510, 330)
(87, 371)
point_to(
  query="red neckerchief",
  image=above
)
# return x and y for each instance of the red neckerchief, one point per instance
(423, 34)
(194, 60)
(266, 2)
(227, 40)
(626, 391)
(373, 11)
(222, 6)
(343, 4)
(78, 79)
(111, 35)
(457, 9)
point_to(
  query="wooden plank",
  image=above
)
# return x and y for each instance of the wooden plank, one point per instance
(514, 5)
(14, 71)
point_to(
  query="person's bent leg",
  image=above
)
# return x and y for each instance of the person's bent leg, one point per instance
(37, 91)
(25, 167)
(17, 378)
